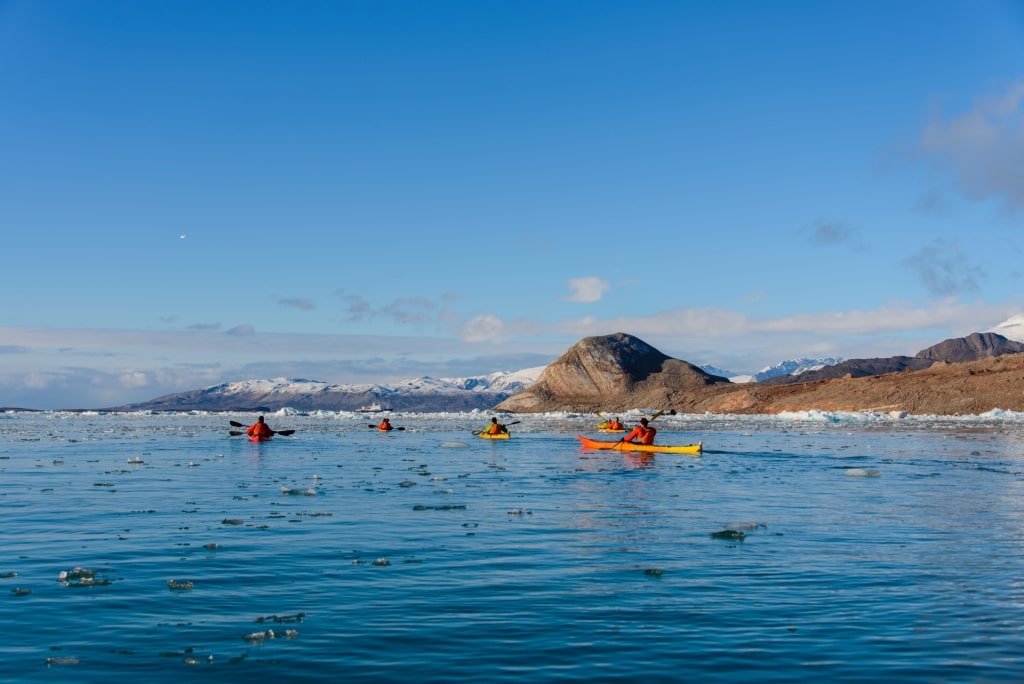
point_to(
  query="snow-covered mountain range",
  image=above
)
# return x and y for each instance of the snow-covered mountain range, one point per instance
(418, 394)
(431, 394)
(791, 367)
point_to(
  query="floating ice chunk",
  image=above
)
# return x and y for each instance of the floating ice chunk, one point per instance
(454, 445)
(258, 637)
(862, 472)
(179, 585)
(744, 525)
(381, 561)
(75, 573)
(298, 492)
(728, 534)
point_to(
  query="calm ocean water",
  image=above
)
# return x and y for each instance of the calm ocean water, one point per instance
(159, 547)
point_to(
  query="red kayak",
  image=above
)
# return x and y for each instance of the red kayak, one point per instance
(261, 438)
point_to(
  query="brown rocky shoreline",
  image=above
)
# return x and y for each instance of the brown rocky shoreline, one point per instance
(616, 373)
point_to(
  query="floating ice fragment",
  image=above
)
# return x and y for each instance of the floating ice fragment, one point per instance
(61, 660)
(298, 491)
(454, 445)
(381, 561)
(258, 637)
(75, 573)
(862, 472)
(179, 585)
(298, 617)
(728, 534)
(744, 525)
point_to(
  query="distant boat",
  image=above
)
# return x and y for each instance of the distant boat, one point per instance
(372, 408)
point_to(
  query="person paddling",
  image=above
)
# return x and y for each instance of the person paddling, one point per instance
(259, 429)
(385, 425)
(642, 432)
(495, 428)
(614, 424)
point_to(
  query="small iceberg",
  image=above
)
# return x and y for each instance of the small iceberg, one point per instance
(862, 472)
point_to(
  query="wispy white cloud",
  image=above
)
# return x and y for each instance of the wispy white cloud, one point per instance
(944, 270)
(69, 368)
(834, 233)
(587, 290)
(981, 150)
(485, 328)
(416, 310)
(302, 303)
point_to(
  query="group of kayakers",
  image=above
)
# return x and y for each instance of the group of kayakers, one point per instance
(642, 432)
(613, 425)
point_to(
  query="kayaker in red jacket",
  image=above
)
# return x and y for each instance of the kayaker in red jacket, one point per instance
(259, 429)
(641, 431)
(385, 425)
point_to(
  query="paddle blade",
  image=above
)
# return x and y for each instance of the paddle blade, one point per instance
(235, 433)
(235, 423)
(284, 432)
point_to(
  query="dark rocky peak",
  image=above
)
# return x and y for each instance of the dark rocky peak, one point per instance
(971, 348)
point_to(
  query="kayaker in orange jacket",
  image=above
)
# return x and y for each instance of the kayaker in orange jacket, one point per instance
(259, 429)
(385, 425)
(614, 424)
(641, 431)
(495, 428)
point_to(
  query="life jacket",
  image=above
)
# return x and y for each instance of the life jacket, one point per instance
(646, 434)
(385, 425)
(259, 430)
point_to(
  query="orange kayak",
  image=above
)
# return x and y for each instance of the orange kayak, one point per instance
(648, 448)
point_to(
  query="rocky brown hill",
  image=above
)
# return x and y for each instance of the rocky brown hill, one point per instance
(612, 373)
(586, 379)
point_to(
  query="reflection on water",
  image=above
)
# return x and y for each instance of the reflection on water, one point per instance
(814, 546)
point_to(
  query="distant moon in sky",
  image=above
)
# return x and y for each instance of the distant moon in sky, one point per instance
(183, 236)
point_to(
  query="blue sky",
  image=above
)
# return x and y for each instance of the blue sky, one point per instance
(199, 192)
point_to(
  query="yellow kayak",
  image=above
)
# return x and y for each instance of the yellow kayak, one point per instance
(647, 448)
(500, 435)
(601, 429)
